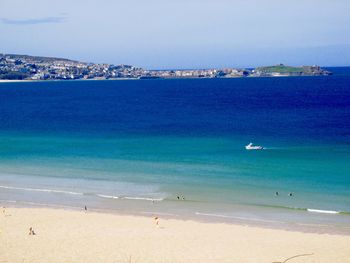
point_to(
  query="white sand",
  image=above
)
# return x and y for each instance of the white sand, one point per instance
(16, 80)
(74, 236)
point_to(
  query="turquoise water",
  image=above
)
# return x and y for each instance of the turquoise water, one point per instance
(137, 146)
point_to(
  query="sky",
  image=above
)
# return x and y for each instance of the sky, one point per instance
(180, 34)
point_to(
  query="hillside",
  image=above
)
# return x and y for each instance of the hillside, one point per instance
(36, 58)
(283, 70)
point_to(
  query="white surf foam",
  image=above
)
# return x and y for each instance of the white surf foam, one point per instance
(158, 213)
(40, 190)
(322, 211)
(142, 198)
(238, 217)
(108, 196)
(130, 197)
(40, 204)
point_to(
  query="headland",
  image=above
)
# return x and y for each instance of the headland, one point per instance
(24, 67)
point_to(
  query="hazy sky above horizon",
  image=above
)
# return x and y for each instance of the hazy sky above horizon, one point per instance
(180, 33)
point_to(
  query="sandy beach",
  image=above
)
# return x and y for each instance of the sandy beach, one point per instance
(78, 236)
(15, 80)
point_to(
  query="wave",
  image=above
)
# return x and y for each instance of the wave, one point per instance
(282, 207)
(40, 204)
(80, 193)
(108, 196)
(238, 217)
(41, 190)
(142, 198)
(158, 213)
(130, 197)
(322, 211)
(8, 201)
(311, 210)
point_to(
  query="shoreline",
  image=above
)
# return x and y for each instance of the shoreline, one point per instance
(17, 80)
(210, 218)
(77, 236)
(170, 78)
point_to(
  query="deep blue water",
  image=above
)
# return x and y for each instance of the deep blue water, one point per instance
(163, 138)
(306, 108)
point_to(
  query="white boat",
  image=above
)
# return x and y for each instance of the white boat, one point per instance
(250, 146)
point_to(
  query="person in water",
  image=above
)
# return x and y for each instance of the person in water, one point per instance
(290, 194)
(276, 194)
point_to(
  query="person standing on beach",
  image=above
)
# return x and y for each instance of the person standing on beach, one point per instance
(31, 231)
(156, 219)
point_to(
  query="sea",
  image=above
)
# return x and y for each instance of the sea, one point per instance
(176, 148)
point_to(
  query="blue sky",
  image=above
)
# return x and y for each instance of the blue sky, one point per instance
(160, 34)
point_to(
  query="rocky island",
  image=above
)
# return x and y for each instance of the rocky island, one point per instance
(283, 70)
(24, 67)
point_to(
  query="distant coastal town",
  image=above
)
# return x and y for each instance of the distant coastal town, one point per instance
(24, 67)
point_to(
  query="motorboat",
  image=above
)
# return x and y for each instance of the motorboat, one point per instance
(250, 146)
